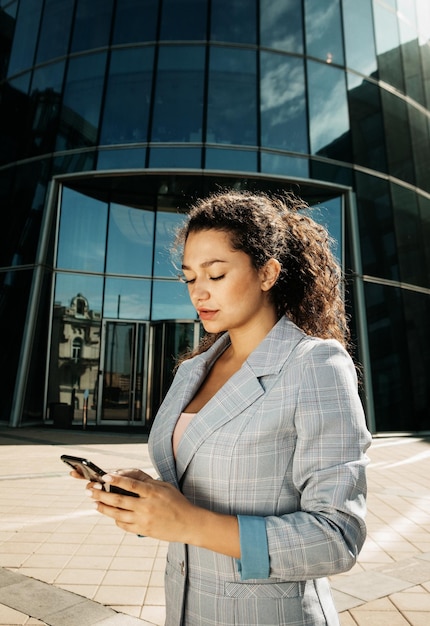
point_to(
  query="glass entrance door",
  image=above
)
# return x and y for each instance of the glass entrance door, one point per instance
(124, 366)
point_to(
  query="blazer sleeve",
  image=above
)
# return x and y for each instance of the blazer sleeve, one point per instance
(325, 536)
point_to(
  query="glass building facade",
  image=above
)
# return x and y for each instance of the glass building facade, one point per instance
(116, 114)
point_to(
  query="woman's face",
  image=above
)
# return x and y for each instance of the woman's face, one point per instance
(225, 288)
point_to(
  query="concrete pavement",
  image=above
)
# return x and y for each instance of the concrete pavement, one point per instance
(63, 564)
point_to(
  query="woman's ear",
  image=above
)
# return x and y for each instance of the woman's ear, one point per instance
(269, 274)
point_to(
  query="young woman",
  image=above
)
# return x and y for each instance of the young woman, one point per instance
(260, 442)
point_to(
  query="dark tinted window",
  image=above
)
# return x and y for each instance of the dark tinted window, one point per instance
(175, 157)
(359, 36)
(328, 111)
(272, 163)
(231, 160)
(25, 36)
(367, 128)
(324, 30)
(232, 113)
(420, 141)
(92, 24)
(81, 102)
(128, 94)
(234, 20)
(135, 20)
(283, 102)
(55, 29)
(184, 19)
(178, 108)
(281, 25)
(46, 89)
(399, 149)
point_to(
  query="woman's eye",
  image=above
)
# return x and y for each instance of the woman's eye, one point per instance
(186, 281)
(217, 277)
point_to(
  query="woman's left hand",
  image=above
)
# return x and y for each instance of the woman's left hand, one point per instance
(160, 511)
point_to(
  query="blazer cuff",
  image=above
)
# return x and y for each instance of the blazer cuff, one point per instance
(254, 549)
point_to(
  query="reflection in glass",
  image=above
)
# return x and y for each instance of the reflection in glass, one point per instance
(234, 21)
(409, 237)
(328, 111)
(130, 238)
(397, 137)
(127, 298)
(178, 109)
(272, 163)
(135, 21)
(175, 157)
(388, 46)
(121, 158)
(170, 300)
(25, 36)
(232, 111)
(183, 20)
(231, 160)
(420, 141)
(281, 25)
(330, 215)
(125, 118)
(324, 30)
(81, 102)
(359, 36)
(283, 111)
(166, 227)
(92, 24)
(46, 97)
(75, 345)
(55, 29)
(82, 234)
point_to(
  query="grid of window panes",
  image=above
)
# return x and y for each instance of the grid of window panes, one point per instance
(334, 90)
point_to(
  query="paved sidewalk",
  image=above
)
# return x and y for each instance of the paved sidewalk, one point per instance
(63, 564)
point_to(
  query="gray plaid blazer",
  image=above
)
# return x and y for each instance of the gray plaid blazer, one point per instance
(284, 439)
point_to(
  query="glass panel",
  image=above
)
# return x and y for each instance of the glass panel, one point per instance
(359, 36)
(175, 157)
(184, 20)
(14, 296)
(130, 240)
(376, 223)
(231, 160)
(329, 213)
(135, 21)
(232, 111)
(234, 20)
(388, 46)
(424, 208)
(397, 136)
(281, 25)
(46, 89)
(122, 158)
(420, 141)
(81, 102)
(55, 29)
(324, 30)
(327, 93)
(125, 118)
(367, 128)
(166, 227)
(75, 346)
(410, 50)
(82, 234)
(127, 298)
(118, 370)
(92, 24)
(170, 300)
(284, 165)
(178, 109)
(283, 110)
(409, 236)
(25, 36)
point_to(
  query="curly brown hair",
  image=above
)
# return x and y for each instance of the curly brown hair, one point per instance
(308, 289)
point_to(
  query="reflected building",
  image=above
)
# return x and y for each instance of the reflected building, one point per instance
(117, 114)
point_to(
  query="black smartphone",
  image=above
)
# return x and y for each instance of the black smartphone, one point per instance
(91, 472)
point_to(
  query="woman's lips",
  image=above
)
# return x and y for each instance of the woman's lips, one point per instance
(207, 314)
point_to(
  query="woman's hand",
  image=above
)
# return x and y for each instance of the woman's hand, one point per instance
(160, 511)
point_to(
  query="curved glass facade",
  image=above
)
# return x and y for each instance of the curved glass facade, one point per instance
(116, 114)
